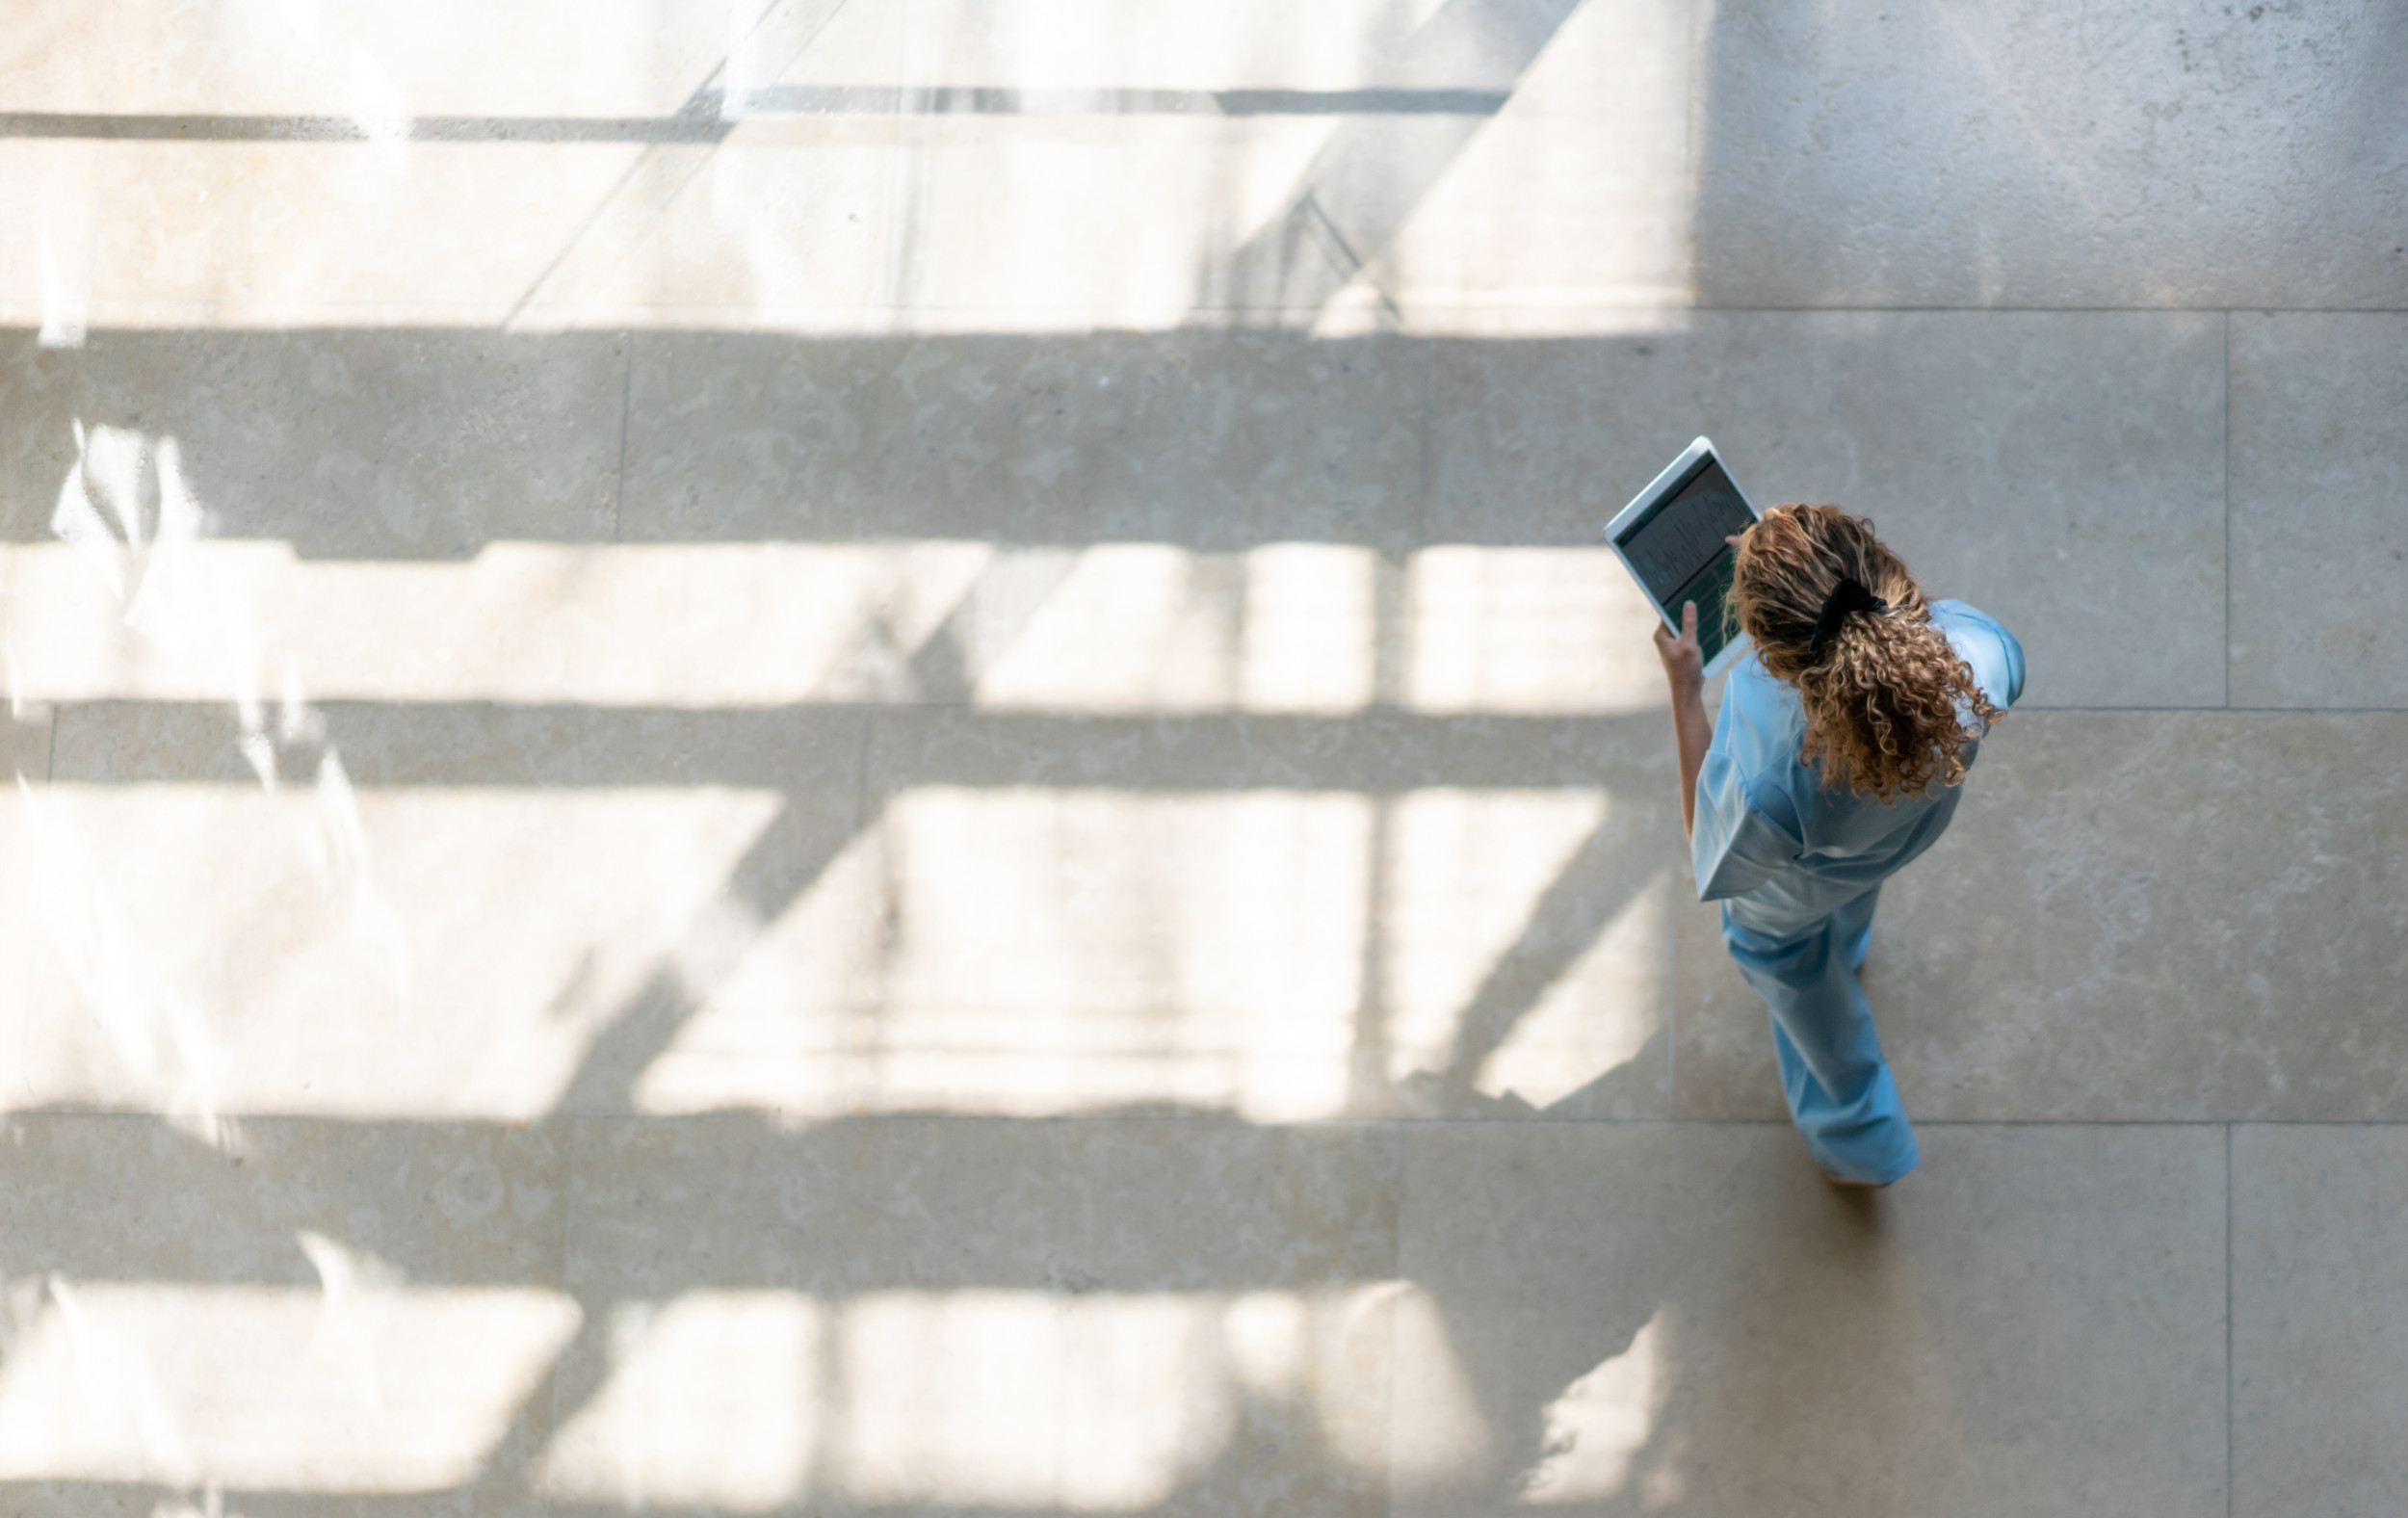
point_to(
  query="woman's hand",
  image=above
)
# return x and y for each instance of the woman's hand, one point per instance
(1685, 668)
(1684, 662)
(1685, 671)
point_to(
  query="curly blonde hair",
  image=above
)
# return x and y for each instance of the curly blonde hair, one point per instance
(1890, 707)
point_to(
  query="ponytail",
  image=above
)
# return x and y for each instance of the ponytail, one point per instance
(1890, 706)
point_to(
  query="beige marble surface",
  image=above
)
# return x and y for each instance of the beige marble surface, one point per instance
(876, 757)
(2135, 916)
(346, 444)
(2051, 154)
(339, 1309)
(317, 228)
(2063, 472)
(1175, 1316)
(2319, 474)
(333, 57)
(1182, 1316)
(25, 742)
(1680, 1318)
(2315, 1337)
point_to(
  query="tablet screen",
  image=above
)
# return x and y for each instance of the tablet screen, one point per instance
(1679, 552)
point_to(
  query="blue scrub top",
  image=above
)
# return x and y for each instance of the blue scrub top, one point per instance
(1772, 839)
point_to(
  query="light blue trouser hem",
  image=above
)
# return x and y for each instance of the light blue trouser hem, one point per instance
(1839, 1086)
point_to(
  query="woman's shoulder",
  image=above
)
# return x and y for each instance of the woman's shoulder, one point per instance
(1997, 655)
(1962, 613)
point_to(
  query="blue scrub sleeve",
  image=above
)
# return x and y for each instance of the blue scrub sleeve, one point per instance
(1734, 847)
(2014, 664)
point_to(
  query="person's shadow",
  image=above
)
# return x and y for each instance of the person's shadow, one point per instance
(1623, 1314)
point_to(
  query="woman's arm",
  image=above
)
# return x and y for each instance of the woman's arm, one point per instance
(1685, 671)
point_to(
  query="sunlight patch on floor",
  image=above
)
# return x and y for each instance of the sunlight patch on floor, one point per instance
(366, 1389)
(1036, 1400)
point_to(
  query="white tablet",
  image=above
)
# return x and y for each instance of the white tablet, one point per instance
(1671, 540)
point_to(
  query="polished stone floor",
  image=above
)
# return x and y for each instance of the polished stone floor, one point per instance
(872, 757)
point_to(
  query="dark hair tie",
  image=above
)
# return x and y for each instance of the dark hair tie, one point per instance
(1848, 595)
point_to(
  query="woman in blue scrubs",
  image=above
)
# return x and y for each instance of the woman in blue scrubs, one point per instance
(1844, 737)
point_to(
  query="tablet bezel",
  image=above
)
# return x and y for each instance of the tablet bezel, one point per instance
(1675, 478)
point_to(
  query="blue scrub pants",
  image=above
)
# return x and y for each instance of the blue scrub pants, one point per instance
(1840, 1090)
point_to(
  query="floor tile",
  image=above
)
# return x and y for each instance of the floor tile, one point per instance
(21, 900)
(2320, 545)
(1252, 44)
(46, 245)
(344, 443)
(1369, 753)
(56, 57)
(273, 1306)
(1536, 213)
(1052, 914)
(2130, 919)
(1084, 222)
(25, 743)
(779, 200)
(1242, 440)
(222, 58)
(2050, 155)
(120, 1198)
(2319, 1322)
(935, 1202)
(39, 382)
(1201, 440)
(685, 627)
(557, 895)
(1685, 1318)
(748, 438)
(1128, 628)
(39, 406)
(2063, 472)
(1288, 917)
(1558, 630)
(1023, 859)
(319, 234)
(1175, 1317)
(779, 215)
(815, 751)
(1577, 191)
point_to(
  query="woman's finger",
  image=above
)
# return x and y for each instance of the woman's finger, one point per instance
(1689, 621)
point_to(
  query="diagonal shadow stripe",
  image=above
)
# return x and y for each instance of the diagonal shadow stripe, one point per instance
(789, 857)
(1366, 181)
(1620, 858)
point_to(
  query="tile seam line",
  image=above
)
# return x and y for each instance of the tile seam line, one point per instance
(2001, 310)
(2227, 441)
(2236, 711)
(1201, 1120)
(2229, 1377)
(136, 301)
(1230, 1124)
(1143, 714)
